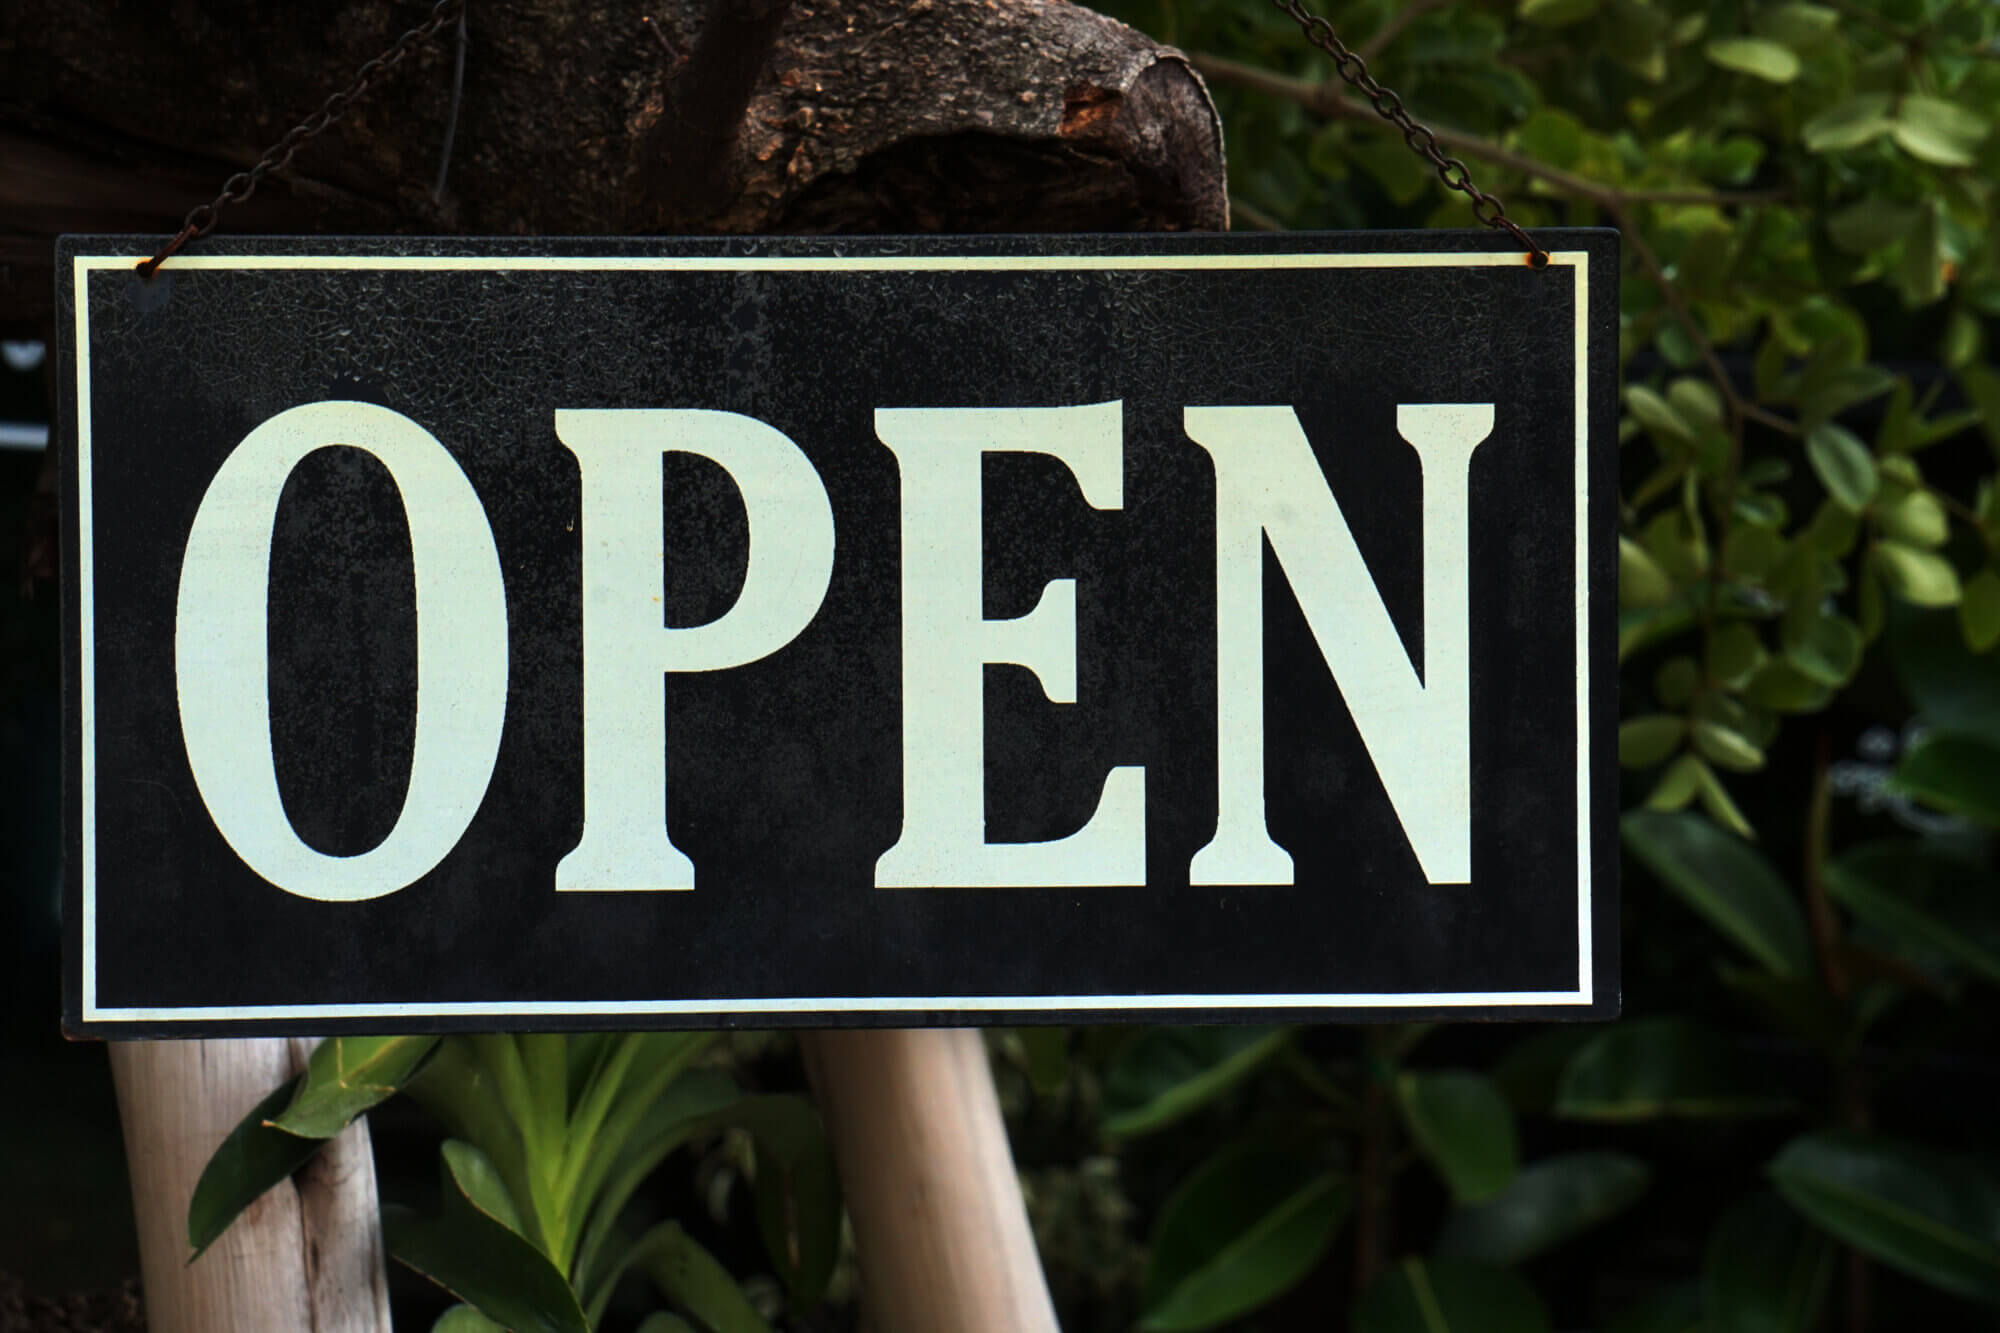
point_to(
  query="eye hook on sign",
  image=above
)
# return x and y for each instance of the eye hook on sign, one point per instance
(238, 188)
(1422, 140)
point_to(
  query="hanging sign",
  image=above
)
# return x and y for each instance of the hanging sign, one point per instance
(559, 634)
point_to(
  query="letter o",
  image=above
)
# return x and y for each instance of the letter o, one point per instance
(222, 671)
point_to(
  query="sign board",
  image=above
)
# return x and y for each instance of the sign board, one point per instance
(558, 634)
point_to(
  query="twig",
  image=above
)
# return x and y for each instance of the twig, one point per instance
(1242, 210)
(1326, 99)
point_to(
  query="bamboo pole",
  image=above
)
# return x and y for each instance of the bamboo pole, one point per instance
(307, 1256)
(938, 1219)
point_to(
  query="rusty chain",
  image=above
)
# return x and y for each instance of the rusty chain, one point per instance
(1422, 140)
(201, 219)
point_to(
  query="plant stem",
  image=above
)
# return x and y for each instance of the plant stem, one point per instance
(1825, 926)
(1372, 1201)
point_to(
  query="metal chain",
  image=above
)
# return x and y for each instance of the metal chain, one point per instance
(201, 219)
(1421, 139)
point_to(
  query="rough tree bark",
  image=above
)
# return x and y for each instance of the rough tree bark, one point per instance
(810, 116)
(731, 116)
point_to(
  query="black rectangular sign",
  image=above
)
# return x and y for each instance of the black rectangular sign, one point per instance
(559, 634)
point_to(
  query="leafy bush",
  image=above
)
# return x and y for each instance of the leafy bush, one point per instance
(1785, 1131)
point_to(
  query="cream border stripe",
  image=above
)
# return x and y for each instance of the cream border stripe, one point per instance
(83, 265)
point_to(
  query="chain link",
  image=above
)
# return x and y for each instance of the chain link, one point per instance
(238, 188)
(1421, 139)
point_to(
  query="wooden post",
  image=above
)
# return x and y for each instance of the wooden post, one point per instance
(938, 1219)
(306, 1256)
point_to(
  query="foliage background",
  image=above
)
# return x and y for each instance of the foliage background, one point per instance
(1791, 1127)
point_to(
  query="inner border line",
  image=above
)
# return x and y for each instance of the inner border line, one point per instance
(83, 265)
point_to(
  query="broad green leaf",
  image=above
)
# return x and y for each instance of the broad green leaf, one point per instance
(1728, 883)
(1758, 56)
(1939, 906)
(1166, 1073)
(1826, 648)
(465, 1319)
(480, 1182)
(1979, 610)
(1937, 131)
(1764, 1272)
(1799, 26)
(1727, 747)
(1849, 124)
(348, 1075)
(1872, 224)
(1645, 741)
(1531, 1070)
(1933, 1215)
(1919, 577)
(1641, 581)
(661, 1322)
(1956, 773)
(250, 1161)
(1780, 687)
(798, 1192)
(1952, 688)
(1843, 464)
(1462, 1124)
(1556, 13)
(1734, 651)
(694, 1281)
(1657, 415)
(1449, 1296)
(479, 1259)
(1649, 1068)
(1549, 1202)
(1920, 277)
(1916, 520)
(1240, 1232)
(1552, 136)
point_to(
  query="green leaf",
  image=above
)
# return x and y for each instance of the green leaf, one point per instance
(1462, 1124)
(1938, 906)
(1657, 415)
(1729, 884)
(1849, 124)
(348, 1075)
(1939, 132)
(1979, 611)
(465, 1319)
(1645, 741)
(1531, 1070)
(1826, 648)
(250, 1161)
(1933, 1215)
(1549, 1202)
(1843, 464)
(1758, 56)
(1651, 1068)
(1240, 1232)
(1919, 577)
(1166, 1073)
(1920, 277)
(1956, 773)
(480, 1181)
(477, 1257)
(1641, 581)
(1952, 689)
(1449, 1296)
(1556, 13)
(692, 1280)
(1726, 747)
(798, 1193)
(1872, 224)
(1764, 1272)
(661, 1322)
